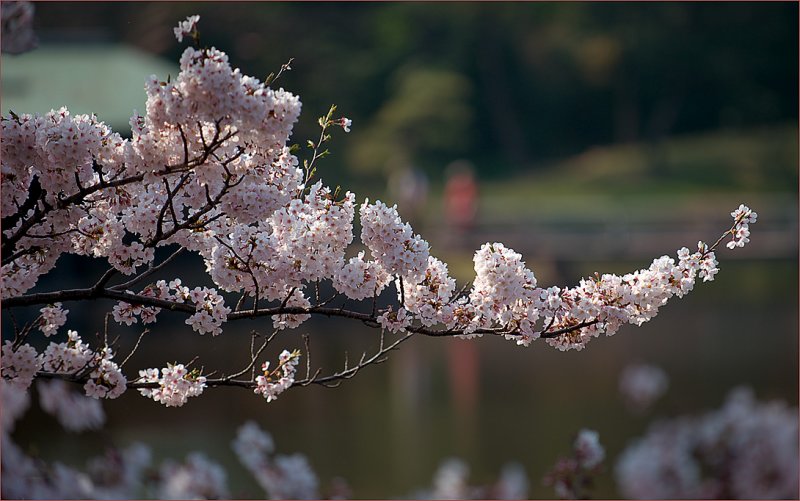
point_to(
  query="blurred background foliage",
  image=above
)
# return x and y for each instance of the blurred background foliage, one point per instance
(510, 86)
(601, 135)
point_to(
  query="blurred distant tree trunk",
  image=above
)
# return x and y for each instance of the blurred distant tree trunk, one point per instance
(493, 73)
(626, 108)
(664, 116)
(660, 123)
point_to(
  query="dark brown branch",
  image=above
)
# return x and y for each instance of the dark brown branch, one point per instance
(91, 293)
(108, 275)
(367, 319)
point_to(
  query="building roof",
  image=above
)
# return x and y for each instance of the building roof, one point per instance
(107, 80)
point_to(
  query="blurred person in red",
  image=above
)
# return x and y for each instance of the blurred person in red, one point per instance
(460, 196)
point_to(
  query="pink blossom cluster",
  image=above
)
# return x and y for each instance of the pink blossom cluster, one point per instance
(360, 279)
(640, 385)
(186, 27)
(210, 154)
(127, 313)
(430, 299)
(20, 364)
(211, 311)
(745, 450)
(393, 243)
(281, 476)
(743, 217)
(106, 379)
(395, 321)
(611, 301)
(69, 357)
(504, 291)
(296, 299)
(175, 384)
(313, 235)
(56, 155)
(302, 242)
(53, 317)
(505, 295)
(267, 385)
(74, 357)
(701, 264)
(209, 304)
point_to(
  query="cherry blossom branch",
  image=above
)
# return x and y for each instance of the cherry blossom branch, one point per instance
(380, 356)
(330, 381)
(209, 168)
(272, 77)
(368, 319)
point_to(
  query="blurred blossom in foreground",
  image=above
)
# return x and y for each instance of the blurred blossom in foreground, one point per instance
(17, 30)
(451, 481)
(572, 476)
(197, 478)
(281, 477)
(640, 385)
(745, 450)
(131, 473)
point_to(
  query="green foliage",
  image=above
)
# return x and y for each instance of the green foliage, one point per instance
(428, 115)
(510, 86)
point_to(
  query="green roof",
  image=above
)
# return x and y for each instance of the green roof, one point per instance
(107, 80)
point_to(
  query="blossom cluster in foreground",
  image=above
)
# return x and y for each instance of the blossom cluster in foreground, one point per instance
(640, 385)
(281, 476)
(131, 472)
(572, 476)
(745, 450)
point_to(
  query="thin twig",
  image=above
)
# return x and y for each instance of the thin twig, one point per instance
(150, 271)
(135, 347)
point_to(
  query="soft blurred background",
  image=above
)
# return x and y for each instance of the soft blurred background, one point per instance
(589, 137)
